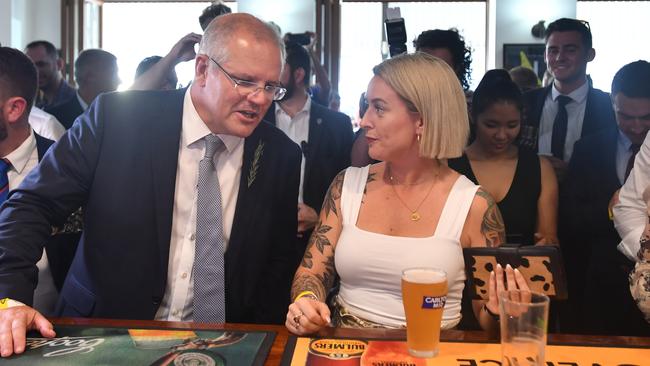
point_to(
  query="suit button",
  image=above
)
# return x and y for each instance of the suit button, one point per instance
(192, 237)
(184, 275)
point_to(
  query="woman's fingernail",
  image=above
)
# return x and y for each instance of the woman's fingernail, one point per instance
(517, 270)
(498, 265)
(508, 266)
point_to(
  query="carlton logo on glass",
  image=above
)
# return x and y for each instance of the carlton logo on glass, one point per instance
(433, 302)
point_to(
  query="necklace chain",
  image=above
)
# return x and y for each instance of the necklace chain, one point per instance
(415, 215)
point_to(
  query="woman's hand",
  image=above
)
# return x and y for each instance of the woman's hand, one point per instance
(307, 316)
(514, 281)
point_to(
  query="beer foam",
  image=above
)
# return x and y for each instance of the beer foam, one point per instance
(424, 275)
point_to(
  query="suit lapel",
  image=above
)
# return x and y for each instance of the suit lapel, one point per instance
(165, 142)
(539, 105)
(314, 139)
(590, 121)
(252, 171)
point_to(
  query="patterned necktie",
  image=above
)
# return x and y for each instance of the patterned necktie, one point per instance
(208, 269)
(4, 179)
(634, 149)
(560, 127)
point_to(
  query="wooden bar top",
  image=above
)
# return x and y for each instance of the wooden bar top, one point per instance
(282, 335)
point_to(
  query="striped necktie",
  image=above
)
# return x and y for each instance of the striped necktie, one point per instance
(208, 268)
(4, 179)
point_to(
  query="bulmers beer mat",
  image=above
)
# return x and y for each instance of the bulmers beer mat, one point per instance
(75, 345)
(302, 351)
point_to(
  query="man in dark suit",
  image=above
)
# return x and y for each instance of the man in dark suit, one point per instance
(132, 162)
(325, 137)
(559, 115)
(95, 72)
(53, 90)
(599, 166)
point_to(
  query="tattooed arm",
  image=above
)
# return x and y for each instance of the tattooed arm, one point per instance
(484, 227)
(316, 272)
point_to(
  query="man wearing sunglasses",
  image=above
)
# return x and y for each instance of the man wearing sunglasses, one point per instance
(189, 200)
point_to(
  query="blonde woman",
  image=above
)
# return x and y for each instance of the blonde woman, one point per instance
(410, 210)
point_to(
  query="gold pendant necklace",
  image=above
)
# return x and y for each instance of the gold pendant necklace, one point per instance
(415, 215)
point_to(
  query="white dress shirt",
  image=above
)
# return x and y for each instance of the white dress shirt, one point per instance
(630, 214)
(46, 124)
(177, 303)
(576, 115)
(23, 160)
(297, 128)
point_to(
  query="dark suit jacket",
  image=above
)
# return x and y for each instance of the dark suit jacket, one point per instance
(593, 264)
(326, 152)
(599, 115)
(67, 112)
(119, 163)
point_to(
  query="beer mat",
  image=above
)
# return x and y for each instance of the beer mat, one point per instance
(301, 351)
(76, 345)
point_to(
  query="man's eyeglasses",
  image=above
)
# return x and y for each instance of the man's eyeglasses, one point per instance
(246, 87)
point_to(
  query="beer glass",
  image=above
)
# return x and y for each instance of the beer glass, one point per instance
(424, 293)
(524, 316)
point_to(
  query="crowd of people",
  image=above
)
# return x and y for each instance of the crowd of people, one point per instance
(244, 198)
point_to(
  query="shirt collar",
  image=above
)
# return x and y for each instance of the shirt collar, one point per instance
(82, 102)
(20, 157)
(579, 95)
(624, 141)
(305, 108)
(194, 129)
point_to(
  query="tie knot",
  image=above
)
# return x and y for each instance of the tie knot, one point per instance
(4, 166)
(563, 100)
(212, 145)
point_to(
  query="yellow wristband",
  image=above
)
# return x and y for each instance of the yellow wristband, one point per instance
(306, 293)
(9, 303)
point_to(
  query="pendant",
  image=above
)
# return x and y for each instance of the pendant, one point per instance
(415, 216)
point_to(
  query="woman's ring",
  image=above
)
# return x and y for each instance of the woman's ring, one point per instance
(296, 319)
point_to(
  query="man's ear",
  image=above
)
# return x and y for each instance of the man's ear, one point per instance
(591, 54)
(60, 64)
(201, 68)
(14, 108)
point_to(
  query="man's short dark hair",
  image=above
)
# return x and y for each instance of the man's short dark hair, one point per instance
(89, 59)
(571, 25)
(454, 42)
(18, 76)
(298, 57)
(633, 80)
(51, 51)
(146, 64)
(212, 12)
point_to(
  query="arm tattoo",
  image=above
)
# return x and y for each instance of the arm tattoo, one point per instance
(329, 275)
(492, 226)
(333, 194)
(308, 282)
(319, 239)
(307, 260)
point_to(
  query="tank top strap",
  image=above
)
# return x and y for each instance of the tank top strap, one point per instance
(354, 182)
(456, 209)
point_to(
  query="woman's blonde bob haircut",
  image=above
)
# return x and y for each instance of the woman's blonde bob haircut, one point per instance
(430, 87)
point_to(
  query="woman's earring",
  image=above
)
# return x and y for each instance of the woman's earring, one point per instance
(417, 137)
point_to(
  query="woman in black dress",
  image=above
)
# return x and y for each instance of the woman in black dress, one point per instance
(523, 184)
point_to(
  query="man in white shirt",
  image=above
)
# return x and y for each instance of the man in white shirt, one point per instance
(600, 165)
(559, 115)
(21, 149)
(325, 137)
(189, 201)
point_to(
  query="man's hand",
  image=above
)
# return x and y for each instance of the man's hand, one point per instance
(14, 324)
(183, 50)
(307, 218)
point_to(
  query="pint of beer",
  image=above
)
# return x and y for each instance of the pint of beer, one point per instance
(424, 293)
